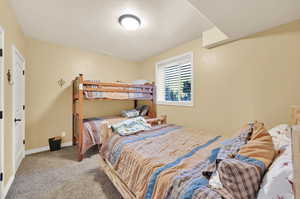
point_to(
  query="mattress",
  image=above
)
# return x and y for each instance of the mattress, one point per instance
(148, 161)
(170, 161)
(117, 95)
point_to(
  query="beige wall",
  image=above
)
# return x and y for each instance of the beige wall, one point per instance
(256, 78)
(13, 36)
(49, 106)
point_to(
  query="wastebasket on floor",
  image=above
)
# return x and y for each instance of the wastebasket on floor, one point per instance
(55, 143)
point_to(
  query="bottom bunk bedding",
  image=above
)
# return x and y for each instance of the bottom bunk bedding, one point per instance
(93, 130)
(171, 162)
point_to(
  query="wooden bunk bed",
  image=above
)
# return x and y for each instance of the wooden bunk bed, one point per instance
(96, 90)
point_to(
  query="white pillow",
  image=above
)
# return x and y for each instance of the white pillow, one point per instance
(281, 136)
(141, 81)
(278, 180)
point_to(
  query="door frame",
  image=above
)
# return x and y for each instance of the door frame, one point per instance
(14, 52)
(2, 108)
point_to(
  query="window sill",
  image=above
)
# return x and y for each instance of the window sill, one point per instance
(169, 103)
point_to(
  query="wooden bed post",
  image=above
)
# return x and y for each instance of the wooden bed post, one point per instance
(78, 99)
(74, 112)
(135, 103)
(296, 159)
(296, 148)
(153, 113)
(80, 115)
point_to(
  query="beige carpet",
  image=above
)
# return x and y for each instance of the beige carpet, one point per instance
(58, 175)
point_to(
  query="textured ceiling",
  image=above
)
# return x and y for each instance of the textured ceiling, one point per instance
(93, 24)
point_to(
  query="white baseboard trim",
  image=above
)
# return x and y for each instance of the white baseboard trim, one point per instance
(7, 186)
(45, 148)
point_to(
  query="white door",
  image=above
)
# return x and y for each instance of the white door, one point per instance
(18, 107)
(1, 109)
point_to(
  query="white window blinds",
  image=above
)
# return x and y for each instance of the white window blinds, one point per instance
(174, 79)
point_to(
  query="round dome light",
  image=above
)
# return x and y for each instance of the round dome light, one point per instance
(130, 22)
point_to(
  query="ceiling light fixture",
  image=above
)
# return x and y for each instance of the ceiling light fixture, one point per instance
(129, 22)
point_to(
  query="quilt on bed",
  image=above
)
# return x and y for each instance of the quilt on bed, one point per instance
(171, 162)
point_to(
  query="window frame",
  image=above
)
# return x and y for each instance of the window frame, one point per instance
(164, 63)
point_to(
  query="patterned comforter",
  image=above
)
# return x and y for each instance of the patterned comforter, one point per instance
(169, 162)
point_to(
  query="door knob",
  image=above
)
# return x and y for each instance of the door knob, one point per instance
(17, 120)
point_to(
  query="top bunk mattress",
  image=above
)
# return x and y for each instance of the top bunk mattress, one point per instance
(118, 95)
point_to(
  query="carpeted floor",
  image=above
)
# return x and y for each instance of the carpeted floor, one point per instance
(57, 175)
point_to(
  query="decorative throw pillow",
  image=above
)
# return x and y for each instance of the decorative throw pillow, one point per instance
(130, 113)
(278, 181)
(240, 179)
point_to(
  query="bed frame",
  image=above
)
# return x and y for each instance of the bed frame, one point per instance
(116, 180)
(80, 86)
(127, 194)
(296, 147)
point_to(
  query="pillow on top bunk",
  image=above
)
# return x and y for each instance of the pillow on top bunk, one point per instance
(278, 181)
(141, 81)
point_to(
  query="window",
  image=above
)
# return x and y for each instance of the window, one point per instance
(174, 80)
